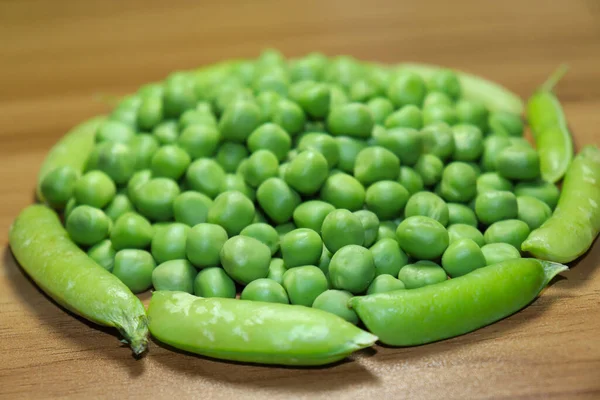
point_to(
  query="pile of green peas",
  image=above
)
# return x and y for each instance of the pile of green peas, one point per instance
(303, 181)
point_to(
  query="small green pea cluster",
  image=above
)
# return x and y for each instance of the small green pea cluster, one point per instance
(305, 181)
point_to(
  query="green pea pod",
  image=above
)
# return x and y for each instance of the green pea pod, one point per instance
(550, 131)
(248, 331)
(455, 306)
(64, 272)
(492, 95)
(72, 150)
(575, 223)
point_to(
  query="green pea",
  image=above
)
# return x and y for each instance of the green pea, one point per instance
(506, 123)
(532, 211)
(348, 149)
(178, 96)
(95, 189)
(387, 230)
(204, 243)
(116, 160)
(265, 290)
(276, 81)
(276, 270)
(411, 180)
(343, 70)
(343, 191)
(541, 190)
(362, 90)
(308, 68)
(238, 121)
(237, 182)
(445, 81)
(492, 146)
(166, 132)
(143, 147)
(169, 243)
(356, 279)
(458, 182)
(170, 162)
(265, 233)
(232, 210)
(150, 113)
(511, 231)
(313, 97)
(131, 231)
(340, 228)
(301, 246)
(494, 206)
(245, 259)
(422, 237)
(58, 186)
(491, 181)
(214, 282)
(463, 231)
(323, 143)
(430, 168)
(408, 116)
(388, 257)
(307, 172)
(380, 109)
(289, 116)
(518, 162)
(270, 137)
(429, 205)
(386, 199)
(461, 214)
(230, 154)
(468, 143)
(407, 88)
(174, 275)
(385, 283)
(336, 302)
(206, 176)
(136, 182)
(304, 284)
(277, 199)
(473, 113)
(461, 257)
(134, 268)
(421, 273)
(191, 208)
(114, 132)
(437, 98)
(498, 252)
(354, 120)
(87, 225)
(405, 143)
(439, 114)
(230, 94)
(202, 115)
(154, 199)
(198, 141)
(104, 254)
(438, 140)
(376, 164)
(261, 166)
(311, 214)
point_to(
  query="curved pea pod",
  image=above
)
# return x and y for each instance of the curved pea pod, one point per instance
(72, 150)
(455, 306)
(65, 273)
(492, 95)
(248, 331)
(550, 131)
(575, 223)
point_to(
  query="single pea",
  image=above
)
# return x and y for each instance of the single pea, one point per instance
(191, 208)
(104, 254)
(422, 237)
(323, 143)
(518, 162)
(265, 233)
(304, 284)
(380, 109)
(214, 282)
(134, 268)
(277, 199)
(261, 166)
(268, 101)
(150, 113)
(230, 94)
(204, 243)
(370, 223)
(131, 231)
(411, 180)
(458, 182)
(343, 70)
(375, 164)
(541, 190)
(429, 205)
(301, 246)
(206, 176)
(362, 91)
(405, 143)
(166, 132)
(87, 225)
(492, 146)
(266, 290)
(313, 97)
(468, 143)
(245, 259)
(438, 139)
(343, 191)
(439, 114)
(170, 162)
(495, 253)
(461, 214)
(290, 116)
(409, 116)
(143, 147)
(385, 283)
(116, 160)
(275, 80)
(198, 141)
(154, 199)
(136, 182)
(463, 231)
(407, 88)
(532, 211)
(237, 182)
(445, 81)
(386, 199)
(461, 257)
(430, 168)
(491, 181)
(232, 210)
(178, 96)
(325, 260)
(307, 172)
(352, 269)
(506, 123)
(473, 113)
(352, 119)
(230, 155)
(421, 273)
(95, 189)
(239, 120)
(174, 275)
(270, 137)
(494, 206)
(388, 257)
(340, 228)
(201, 115)
(114, 132)
(311, 214)
(336, 302)
(511, 231)
(387, 230)
(437, 98)
(348, 149)
(169, 243)
(276, 270)
(308, 68)
(58, 186)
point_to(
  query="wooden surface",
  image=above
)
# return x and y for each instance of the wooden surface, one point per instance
(57, 57)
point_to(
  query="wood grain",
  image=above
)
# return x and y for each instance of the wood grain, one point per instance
(57, 57)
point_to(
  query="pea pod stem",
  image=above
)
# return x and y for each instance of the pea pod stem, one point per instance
(553, 80)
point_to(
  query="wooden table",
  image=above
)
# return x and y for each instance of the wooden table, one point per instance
(59, 58)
